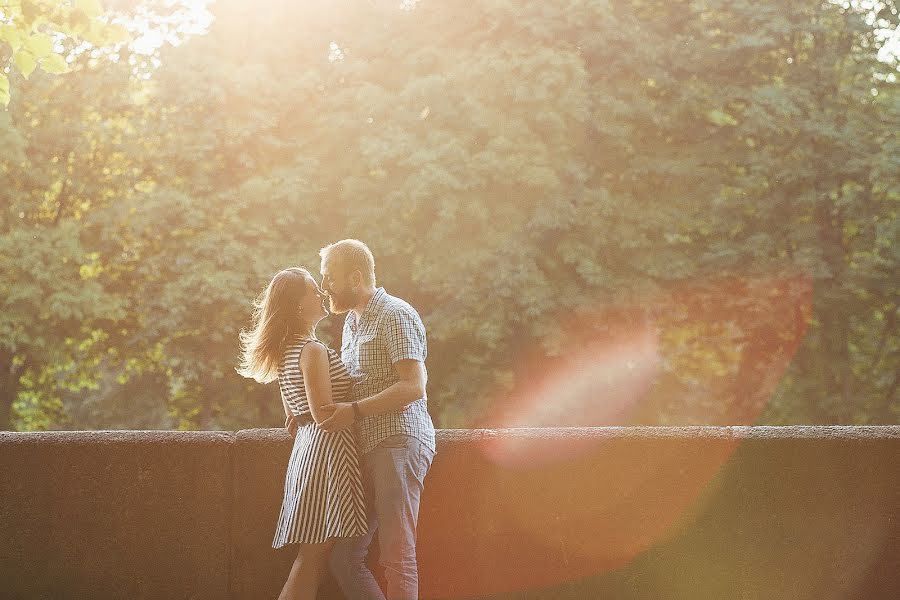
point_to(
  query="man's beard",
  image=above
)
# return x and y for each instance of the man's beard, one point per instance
(341, 302)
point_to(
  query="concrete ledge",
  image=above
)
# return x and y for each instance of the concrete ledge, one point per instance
(260, 458)
(114, 514)
(700, 512)
(693, 513)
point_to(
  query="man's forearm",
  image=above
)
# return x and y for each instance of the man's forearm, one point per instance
(392, 399)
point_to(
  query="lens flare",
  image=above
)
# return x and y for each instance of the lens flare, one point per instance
(551, 498)
(598, 385)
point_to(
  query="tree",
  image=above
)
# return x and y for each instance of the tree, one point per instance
(537, 179)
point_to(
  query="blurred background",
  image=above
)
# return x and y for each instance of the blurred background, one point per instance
(661, 212)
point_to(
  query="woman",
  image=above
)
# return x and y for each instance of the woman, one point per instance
(323, 494)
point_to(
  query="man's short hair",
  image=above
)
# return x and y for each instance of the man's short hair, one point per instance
(351, 255)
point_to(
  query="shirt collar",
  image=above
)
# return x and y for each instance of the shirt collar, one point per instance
(371, 309)
(374, 303)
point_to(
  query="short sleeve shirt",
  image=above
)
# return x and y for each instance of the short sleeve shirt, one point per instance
(388, 330)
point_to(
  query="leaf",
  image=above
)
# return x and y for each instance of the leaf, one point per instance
(102, 34)
(12, 36)
(25, 62)
(115, 34)
(720, 118)
(40, 44)
(4, 90)
(94, 33)
(54, 64)
(92, 8)
(80, 21)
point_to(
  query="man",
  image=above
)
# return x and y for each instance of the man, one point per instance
(384, 347)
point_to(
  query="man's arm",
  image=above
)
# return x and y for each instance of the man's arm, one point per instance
(404, 338)
(394, 398)
(398, 396)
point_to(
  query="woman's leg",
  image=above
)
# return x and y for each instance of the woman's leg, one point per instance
(306, 572)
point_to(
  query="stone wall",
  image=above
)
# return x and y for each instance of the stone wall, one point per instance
(624, 513)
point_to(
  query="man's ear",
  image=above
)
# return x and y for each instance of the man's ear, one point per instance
(356, 278)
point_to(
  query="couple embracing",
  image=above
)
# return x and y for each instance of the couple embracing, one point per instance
(363, 439)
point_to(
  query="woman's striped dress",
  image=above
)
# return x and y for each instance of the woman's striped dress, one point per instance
(323, 492)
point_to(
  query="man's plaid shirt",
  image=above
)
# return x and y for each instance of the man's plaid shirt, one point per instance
(388, 330)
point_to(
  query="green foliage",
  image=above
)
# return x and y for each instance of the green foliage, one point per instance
(727, 173)
(41, 32)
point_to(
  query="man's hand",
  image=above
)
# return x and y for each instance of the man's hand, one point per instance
(338, 416)
(291, 424)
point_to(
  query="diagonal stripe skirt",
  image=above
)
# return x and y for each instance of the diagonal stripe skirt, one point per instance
(323, 492)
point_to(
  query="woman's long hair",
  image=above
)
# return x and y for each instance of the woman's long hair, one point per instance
(275, 318)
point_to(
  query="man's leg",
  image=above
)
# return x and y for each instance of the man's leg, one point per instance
(348, 558)
(400, 464)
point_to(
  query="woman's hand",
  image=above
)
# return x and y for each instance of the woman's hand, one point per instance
(291, 424)
(336, 417)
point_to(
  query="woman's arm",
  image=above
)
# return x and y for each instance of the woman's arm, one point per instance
(287, 409)
(314, 366)
(290, 421)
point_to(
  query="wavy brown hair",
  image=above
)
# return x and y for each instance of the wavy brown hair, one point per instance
(275, 318)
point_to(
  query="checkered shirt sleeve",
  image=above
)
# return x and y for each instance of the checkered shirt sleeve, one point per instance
(391, 331)
(405, 335)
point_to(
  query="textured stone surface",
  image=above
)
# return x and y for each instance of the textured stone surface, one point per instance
(122, 514)
(693, 513)
(260, 458)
